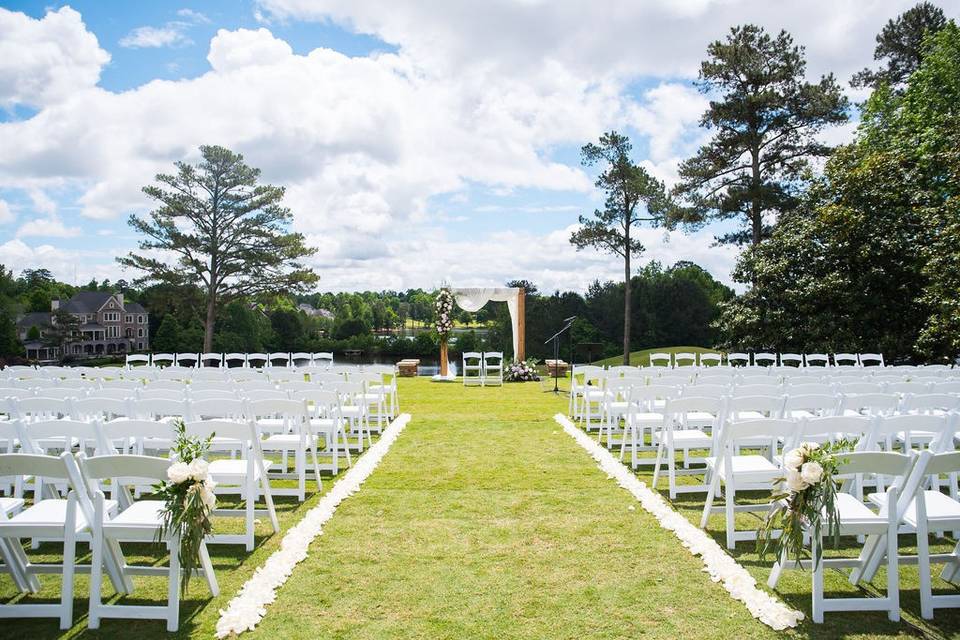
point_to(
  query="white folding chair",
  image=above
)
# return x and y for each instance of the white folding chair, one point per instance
(870, 359)
(738, 359)
(683, 422)
(685, 359)
(142, 521)
(645, 413)
(234, 360)
(661, 359)
(816, 360)
(388, 384)
(326, 419)
(710, 359)
(246, 476)
(794, 359)
(744, 472)
(845, 360)
(472, 368)
(856, 519)
(765, 359)
(287, 429)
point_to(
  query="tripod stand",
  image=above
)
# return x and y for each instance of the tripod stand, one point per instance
(568, 322)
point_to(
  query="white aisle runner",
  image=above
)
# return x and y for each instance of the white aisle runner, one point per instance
(249, 606)
(721, 567)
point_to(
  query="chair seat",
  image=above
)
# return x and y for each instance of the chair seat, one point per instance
(53, 513)
(700, 417)
(352, 411)
(647, 417)
(746, 469)
(688, 439)
(285, 441)
(141, 514)
(231, 471)
(941, 508)
(595, 394)
(857, 517)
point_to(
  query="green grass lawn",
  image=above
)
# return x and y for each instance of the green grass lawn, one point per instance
(485, 520)
(642, 358)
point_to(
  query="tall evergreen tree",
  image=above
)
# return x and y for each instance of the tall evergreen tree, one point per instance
(766, 118)
(226, 232)
(633, 197)
(900, 45)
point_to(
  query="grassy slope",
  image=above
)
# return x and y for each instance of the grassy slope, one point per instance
(643, 357)
(485, 520)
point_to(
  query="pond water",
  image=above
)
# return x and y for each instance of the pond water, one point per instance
(428, 366)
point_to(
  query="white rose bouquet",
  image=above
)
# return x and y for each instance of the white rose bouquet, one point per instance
(189, 499)
(444, 308)
(525, 371)
(804, 497)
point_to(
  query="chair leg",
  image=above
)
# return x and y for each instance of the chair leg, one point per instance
(923, 564)
(96, 579)
(893, 574)
(208, 573)
(709, 503)
(656, 465)
(776, 571)
(728, 500)
(672, 472)
(268, 498)
(817, 583)
(249, 505)
(173, 585)
(69, 561)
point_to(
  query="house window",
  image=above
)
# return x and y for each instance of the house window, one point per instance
(140, 319)
(111, 316)
(139, 346)
(113, 331)
(139, 333)
(128, 319)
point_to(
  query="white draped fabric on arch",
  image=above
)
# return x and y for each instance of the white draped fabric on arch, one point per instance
(473, 299)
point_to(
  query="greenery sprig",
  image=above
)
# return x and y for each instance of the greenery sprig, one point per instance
(805, 497)
(188, 498)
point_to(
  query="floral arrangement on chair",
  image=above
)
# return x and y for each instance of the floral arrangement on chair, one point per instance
(525, 371)
(805, 497)
(188, 499)
(444, 307)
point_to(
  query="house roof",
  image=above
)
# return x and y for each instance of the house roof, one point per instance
(134, 307)
(86, 301)
(34, 319)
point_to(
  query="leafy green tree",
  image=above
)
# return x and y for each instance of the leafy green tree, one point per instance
(33, 333)
(288, 329)
(633, 197)
(226, 231)
(167, 337)
(900, 46)
(766, 119)
(9, 342)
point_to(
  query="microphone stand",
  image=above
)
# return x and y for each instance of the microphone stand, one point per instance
(555, 338)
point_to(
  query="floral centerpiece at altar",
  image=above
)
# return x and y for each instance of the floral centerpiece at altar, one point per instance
(188, 498)
(523, 371)
(804, 499)
(444, 308)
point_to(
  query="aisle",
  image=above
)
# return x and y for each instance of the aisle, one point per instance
(486, 520)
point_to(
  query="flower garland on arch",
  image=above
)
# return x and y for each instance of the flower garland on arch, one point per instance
(444, 308)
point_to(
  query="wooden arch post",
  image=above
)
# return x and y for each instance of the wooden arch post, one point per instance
(521, 354)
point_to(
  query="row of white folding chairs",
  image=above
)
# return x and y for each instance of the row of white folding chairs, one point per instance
(906, 476)
(232, 360)
(87, 515)
(482, 368)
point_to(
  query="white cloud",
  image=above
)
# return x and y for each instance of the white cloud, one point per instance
(231, 50)
(6, 215)
(169, 35)
(50, 227)
(66, 265)
(46, 61)
(193, 16)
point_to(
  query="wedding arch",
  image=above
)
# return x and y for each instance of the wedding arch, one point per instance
(473, 298)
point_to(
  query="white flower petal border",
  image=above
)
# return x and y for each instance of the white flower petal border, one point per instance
(249, 606)
(717, 562)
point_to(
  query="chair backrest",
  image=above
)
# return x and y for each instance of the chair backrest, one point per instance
(258, 360)
(833, 428)
(845, 360)
(767, 389)
(822, 404)
(209, 374)
(95, 408)
(301, 359)
(323, 401)
(931, 402)
(716, 375)
(218, 408)
(685, 359)
(242, 431)
(885, 427)
(870, 359)
(907, 387)
(33, 464)
(765, 359)
(31, 433)
(64, 393)
(168, 385)
(492, 358)
(120, 384)
(872, 403)
(323, 358)
(678, 408)
(816, 360)
(248, 386)
(39, 408)
(761, 378)
(947, 386)
(706, 390)
(210, 394)
(737, 359)
(153, 408)
(660, 359)
(857, 388)
(809, 389)
(128, 467)
(885, 463)
(795, 359)
(774, 428)
(771, 406)
(137, 429)
(279, 359)
(165, 394)
(648, 394)
(162, 359)
(211, 385)
(137, 359)
(211, 359)
(188, 359)
(234, 360)
(264, 394)
(710, 359)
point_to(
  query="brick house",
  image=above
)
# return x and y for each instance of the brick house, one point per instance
(106, 322)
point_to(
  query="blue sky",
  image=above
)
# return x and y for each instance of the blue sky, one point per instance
(418, 142)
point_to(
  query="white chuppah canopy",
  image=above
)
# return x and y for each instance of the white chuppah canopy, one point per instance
(473, 299)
